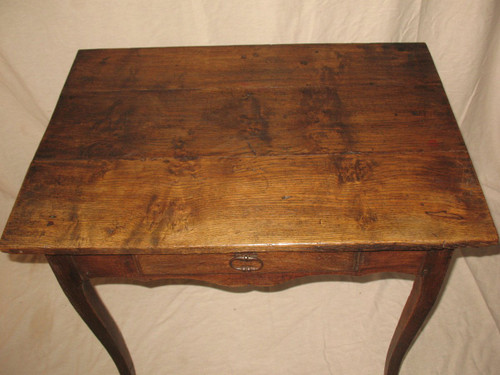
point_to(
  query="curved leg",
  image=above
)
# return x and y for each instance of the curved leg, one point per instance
(83, 297)
(422, 297)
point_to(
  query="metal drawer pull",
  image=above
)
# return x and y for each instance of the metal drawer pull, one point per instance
(246, 262)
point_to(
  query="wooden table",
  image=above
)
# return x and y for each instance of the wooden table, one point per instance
(250, 165)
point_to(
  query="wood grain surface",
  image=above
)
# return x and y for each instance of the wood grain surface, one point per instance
(250, 148)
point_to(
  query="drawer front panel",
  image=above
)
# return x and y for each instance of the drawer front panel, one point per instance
(247, 262)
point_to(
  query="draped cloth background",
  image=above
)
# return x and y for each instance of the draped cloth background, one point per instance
(330, 326)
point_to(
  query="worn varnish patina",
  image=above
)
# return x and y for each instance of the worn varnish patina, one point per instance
(250, 165)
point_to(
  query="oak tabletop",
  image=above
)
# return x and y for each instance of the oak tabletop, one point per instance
(227, 148)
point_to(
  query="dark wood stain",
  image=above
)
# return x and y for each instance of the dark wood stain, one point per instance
(445, 214)
(351, 169)
(243, 113)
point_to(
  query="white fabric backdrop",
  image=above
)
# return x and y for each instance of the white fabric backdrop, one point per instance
(325, 327)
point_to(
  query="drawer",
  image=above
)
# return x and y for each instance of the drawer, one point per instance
(247, 262)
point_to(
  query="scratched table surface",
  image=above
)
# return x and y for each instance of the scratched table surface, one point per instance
(175, 150)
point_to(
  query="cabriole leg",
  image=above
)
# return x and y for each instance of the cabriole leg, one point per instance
(84, 298)
(425, 291)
